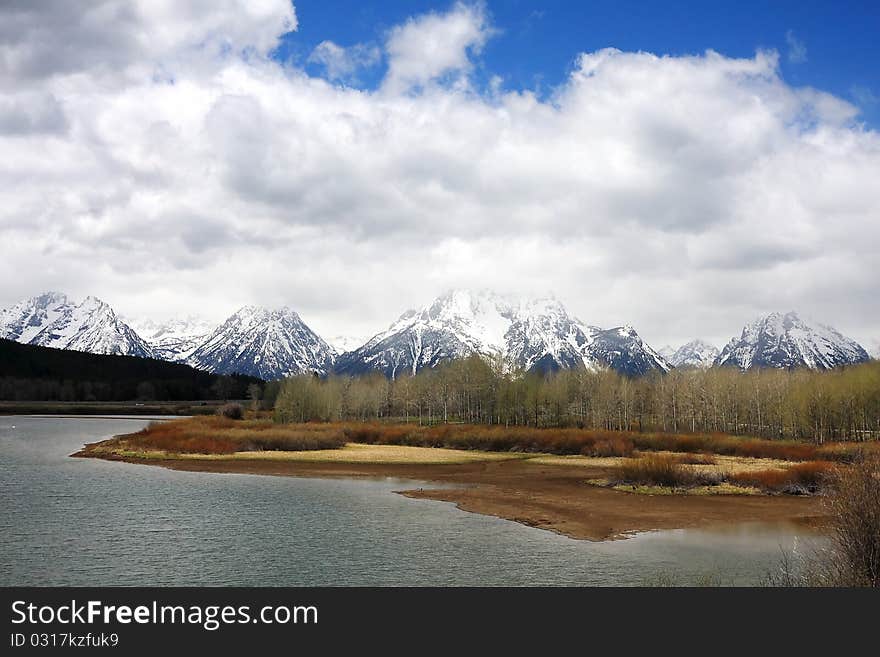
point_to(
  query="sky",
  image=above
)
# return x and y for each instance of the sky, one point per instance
(681, 167)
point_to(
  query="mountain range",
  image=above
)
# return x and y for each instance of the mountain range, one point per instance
(518, 334)
(515, 334)
(53, 320)
(176, 339)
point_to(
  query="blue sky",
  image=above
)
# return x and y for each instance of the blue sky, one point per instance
(833, 46)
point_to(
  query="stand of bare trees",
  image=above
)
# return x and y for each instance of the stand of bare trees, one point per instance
(842, 404)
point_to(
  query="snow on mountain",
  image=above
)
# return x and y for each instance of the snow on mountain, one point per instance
(270, 344)
(528, 334)
(53, 320)
(176, 339)
(344, 343)
(23, 321)
(787, 341)
(453, 326)
(696, 353)
(623, 350)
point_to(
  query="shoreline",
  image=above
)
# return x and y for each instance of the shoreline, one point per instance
(555, 498)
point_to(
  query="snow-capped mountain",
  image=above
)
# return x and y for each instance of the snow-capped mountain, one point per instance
(343, 343)
(176, 339)
(531, 334)
(270, 344)
(624, 351)
(787, 341)
(696, 353)
(23, 321)
(53, 320)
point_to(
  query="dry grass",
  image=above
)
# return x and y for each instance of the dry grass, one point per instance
(691, 462)
(697, 459)
(724, 488)
(495, 438)
(656, 470)
(387, 454)
(583, 461)
(221, 435)
(726, 446)
(801, 478)
(591, 442)
(353, 453)
(670, 470)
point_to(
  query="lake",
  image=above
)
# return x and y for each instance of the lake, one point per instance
(82, 522)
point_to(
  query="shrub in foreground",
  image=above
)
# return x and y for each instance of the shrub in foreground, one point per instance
(656, 470)
(802, 478)
(854, 506)
(852, 557)
(232, 411)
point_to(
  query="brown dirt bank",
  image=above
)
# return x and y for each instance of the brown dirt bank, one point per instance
(552, 497)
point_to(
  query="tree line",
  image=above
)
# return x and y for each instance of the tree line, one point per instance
(34, 373)
(841, 404)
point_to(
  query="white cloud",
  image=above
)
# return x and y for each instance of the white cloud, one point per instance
(681, 194)
(127, 40)
(435, 45)
(344, 63)
(797, 49)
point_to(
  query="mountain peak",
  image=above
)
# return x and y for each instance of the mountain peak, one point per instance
(175, 339)
(696, 353)
(264, 342)
(525, 334)
(786, 340)
(53, 320)
(51, 297)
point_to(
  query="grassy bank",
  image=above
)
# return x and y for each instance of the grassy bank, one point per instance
(592, 442)
(648, 463)
(672, 471)
(222, 435)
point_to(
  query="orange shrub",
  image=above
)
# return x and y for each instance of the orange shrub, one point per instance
(222, 435)
(656, 470)
(806, 477)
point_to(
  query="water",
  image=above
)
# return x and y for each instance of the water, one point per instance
(67, 521)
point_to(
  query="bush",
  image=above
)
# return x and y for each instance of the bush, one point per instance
(854, 506)
(656, 470)
(232, 411)
(615, 446)
(219, 434)
(725, 445)
(799, 479)
(852, 557)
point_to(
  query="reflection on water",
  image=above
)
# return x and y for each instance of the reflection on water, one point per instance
(67, 521)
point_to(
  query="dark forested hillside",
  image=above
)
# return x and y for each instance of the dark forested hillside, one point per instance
(32, 373)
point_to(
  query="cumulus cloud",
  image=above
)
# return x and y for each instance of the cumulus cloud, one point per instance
(191, 172)
(342, 63)
(109, 38)
(435, 45)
